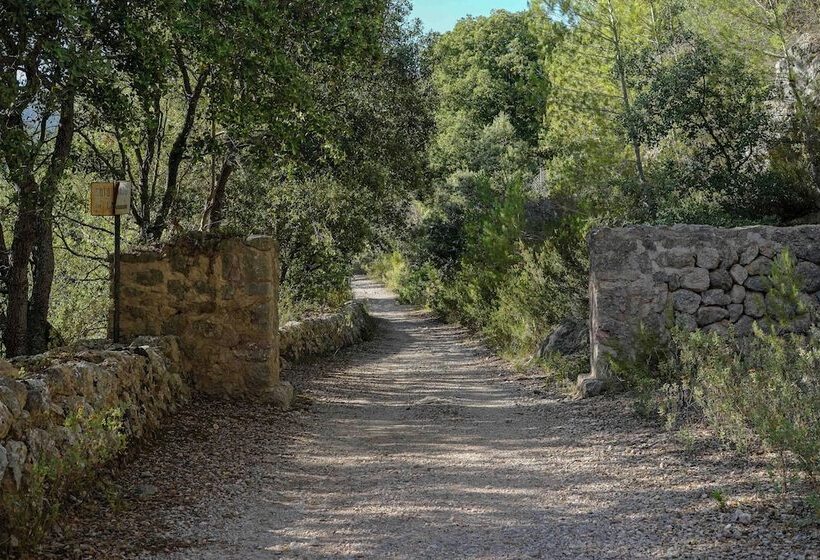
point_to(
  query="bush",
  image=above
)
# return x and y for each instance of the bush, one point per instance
(534, 297)
(763, 390)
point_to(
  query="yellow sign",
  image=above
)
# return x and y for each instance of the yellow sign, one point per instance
(110, 199)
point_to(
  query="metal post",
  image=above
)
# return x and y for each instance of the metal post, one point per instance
(116, 326)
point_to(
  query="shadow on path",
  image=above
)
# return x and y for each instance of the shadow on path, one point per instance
(417, 444)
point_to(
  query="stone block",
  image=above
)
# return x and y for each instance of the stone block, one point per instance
(721, 280)
(809, 273)
(695, 279)
(686, 322)
(708, 258)
(748, 254)
(761, 266)
(149, 277)
(686, 301)
(754, 305)
(739, 273)
(735, 312)
(738, 294)
(708, 315)
(716, 297)
(757, 284)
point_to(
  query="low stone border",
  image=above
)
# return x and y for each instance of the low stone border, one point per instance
(66, 411)
(325, 334)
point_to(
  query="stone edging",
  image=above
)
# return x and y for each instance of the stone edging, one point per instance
(325, 334)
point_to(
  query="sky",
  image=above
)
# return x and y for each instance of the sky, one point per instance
(442, 15)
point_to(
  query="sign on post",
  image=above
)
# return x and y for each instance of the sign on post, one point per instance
(110, 199)
(113, 199)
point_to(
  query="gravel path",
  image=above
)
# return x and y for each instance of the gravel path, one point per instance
(421, 444)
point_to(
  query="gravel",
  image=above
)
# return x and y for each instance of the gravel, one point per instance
(422, 444)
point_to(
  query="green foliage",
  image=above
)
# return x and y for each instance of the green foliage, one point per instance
(765, 390)
(783, 299)
(762, 390)
(720, 498)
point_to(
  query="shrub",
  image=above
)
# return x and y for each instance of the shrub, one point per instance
(764, 390)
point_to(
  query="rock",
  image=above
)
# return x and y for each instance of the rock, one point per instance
(686, 301)
(40, 444)
(757, 284)
(810, 275)
(708, 258)
(38, 401)
(17, 389)
(10, 401)
(281, 395)
(686, 322)
(735, 312)
(738, 294)
(709, 315)
(769, 249)
(678, 258)
(6, 420)
(4, 462)
(17, 453)
(761, 266)
(696, 279)
(748, 254)
(741, 517)
(721, 280)
(7, 369)
(569, 338)
(743, 327)
(739, 273)
(721, 328)
(60, 379)
(716, 297)
(590, 386)
(755, 305)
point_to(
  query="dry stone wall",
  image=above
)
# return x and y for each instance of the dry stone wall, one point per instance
(64, 412)
(219, 296)
(326, 333)
(695, 277)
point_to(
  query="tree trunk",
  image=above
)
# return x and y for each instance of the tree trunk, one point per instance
(43, 266)
(214, 212)
(621, 69)
(175, 158)
(24, 236)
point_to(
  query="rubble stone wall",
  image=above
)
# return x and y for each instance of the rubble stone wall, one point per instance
(325, 334)
(695, 277)
(219, 296)
(68, 410)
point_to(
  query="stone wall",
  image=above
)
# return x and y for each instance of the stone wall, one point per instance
(325, 334)
(63, 412)
(219, 296)
(696, 277)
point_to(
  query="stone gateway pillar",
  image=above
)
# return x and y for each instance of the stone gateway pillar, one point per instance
(219, 297)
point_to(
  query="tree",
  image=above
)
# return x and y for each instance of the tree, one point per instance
(222, 81)
(484, 67)
(48, 59)
(774, 34)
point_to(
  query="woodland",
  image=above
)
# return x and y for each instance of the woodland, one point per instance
(464, 169)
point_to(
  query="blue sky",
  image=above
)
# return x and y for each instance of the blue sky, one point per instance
(442, 15)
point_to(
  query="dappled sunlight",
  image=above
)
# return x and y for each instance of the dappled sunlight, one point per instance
(417, 444)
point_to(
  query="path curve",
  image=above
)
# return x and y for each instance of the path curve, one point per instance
(421, 444)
